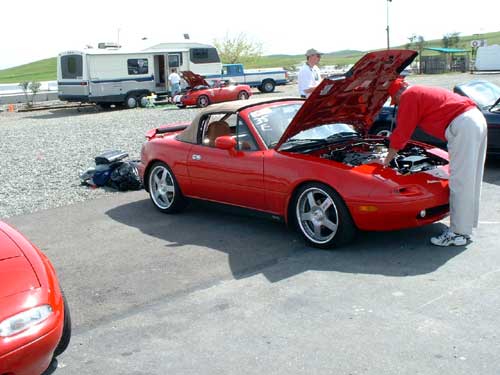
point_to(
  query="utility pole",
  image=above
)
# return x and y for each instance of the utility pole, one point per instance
(387, 28)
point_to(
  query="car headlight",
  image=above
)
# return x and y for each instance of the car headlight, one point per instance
(24, 320)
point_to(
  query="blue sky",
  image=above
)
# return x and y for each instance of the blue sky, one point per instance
(33, 30)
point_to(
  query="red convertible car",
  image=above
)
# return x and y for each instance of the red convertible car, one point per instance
(201, 93)
(310, 162)
(35, 324)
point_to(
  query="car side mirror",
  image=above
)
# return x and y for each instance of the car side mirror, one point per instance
(225, 142)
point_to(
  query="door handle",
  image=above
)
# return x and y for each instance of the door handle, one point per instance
(196, 157)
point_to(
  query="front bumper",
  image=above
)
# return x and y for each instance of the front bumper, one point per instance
(35, 356)
(398, 215)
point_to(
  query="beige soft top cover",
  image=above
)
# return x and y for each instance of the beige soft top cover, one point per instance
(189, 134)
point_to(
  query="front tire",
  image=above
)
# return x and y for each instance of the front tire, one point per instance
(66, 334)
(164, 190)
(131, 102)
(321, 216)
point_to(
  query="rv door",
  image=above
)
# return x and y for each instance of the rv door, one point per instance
(73, 84)
(174, 61)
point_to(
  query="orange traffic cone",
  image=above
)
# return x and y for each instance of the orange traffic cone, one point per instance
(11, 108)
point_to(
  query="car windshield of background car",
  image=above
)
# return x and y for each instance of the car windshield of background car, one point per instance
(485, 94)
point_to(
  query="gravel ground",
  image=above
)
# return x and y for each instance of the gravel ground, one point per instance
(42, 153)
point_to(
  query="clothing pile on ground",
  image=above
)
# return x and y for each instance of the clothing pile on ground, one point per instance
(113, 171)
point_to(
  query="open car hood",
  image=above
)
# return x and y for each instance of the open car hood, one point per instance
(354, 98)
(194, 79)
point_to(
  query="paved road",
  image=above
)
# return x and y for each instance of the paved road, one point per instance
(217, 291)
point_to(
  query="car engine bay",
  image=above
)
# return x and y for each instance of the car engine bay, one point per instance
(411, 159)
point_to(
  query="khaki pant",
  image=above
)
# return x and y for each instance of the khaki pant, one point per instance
(467, 140)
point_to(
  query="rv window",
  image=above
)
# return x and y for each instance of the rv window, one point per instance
(204, 55)
(137, 66)
(71, 66)
(174, 60)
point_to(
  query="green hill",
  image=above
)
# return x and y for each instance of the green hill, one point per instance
(45, 70)
(42, 70)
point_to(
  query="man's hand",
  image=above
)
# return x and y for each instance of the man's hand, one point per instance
(390, 155)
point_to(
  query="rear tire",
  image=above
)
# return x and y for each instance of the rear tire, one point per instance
(164, 190)
(143, 101)
(268, 86)
(203, 101)
(243, 95)
(321, 216)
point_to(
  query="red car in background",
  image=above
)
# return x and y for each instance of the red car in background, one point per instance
(35, 323)
(201, 93)
(310, 162)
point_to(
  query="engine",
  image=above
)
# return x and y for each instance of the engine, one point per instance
(411, 159)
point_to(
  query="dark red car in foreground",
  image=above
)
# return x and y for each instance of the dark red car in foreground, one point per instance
(35, 325)
(201, 93)
(310, 162)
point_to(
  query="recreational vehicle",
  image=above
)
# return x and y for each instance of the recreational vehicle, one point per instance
(488, 58)
(106, 77)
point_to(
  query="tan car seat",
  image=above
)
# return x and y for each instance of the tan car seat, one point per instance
(216, 129)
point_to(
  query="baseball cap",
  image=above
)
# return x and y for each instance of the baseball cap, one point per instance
(394, 88)
(312, 52)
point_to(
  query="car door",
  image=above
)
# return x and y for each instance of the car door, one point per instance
(228, 176)
(218, 92)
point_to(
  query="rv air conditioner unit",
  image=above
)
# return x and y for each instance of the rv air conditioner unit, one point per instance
(108, 45)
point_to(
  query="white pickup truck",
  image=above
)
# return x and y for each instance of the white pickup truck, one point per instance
(264, 79)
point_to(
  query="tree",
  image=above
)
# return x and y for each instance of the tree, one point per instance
(417, 42)
(25, 87)
(34, 87)
(238, 49)
(451, 40)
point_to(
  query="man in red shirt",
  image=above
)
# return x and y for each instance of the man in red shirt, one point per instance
(457, 120)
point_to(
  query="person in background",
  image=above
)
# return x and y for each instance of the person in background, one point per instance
(309, 74)
(175, 80)
(457, 120)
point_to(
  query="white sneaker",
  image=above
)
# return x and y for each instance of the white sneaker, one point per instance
(449, 238)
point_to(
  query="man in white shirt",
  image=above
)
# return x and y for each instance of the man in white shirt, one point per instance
(309, 74)
(175, 80)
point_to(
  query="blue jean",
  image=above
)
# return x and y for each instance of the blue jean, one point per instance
(175, 89)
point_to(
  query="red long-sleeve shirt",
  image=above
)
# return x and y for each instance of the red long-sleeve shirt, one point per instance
(431, 108)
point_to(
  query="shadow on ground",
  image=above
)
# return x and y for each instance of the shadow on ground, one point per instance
(67, 112)
(253, 243)
(492, 170)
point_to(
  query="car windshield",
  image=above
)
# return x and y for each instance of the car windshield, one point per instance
(485, 94)
(271, 123)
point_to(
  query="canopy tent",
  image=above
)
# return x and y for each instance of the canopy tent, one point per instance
(448, 60)
(447, 50)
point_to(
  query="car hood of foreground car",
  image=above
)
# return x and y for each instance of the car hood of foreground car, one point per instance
(354, 98)
(17, 273)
